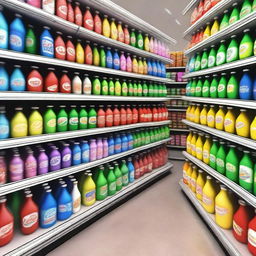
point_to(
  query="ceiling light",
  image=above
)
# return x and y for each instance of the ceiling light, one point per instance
(168, 11)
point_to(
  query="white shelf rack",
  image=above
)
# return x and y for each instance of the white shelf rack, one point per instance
(173, 97)
(190, 5)
(29, 245)
(177, 83)
(178, 130)
(226, 237)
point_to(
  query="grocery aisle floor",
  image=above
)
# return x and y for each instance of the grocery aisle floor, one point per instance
(158, 221)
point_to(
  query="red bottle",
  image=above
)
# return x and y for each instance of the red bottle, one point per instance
(109, 117)
(28, 216)
(142, 171)
(136, 167)
(155, 160)
(6, 223)
(160, 114)
(71, 51)
(65, 83)
(51, 81)
(123, 117)
(120, 32)
(78, 15)
(201, 35)
(135, 115)
(150, 162)
(97, 23)
(252, 236)
(62, 9)
(155, 114)
(71, 14)
(145, 163)
(101, 117)
(59, 47)
(241, 221)
(141, 115)
(117, 116)
(88, 19)
(34, 80)
(200, 9)
(129, 115)
(150, 115)
(145, 111)
(126, 35)
(88, 54)
(207, 6)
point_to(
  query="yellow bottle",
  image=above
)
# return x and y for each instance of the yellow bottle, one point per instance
(215, 27)
(146, 43)
(106, 27)
(224, 209)
(113, 29)
(207, 31)
(145, 67)
(211, 117)
(140, 66)
(200, 182)
(135, 68)
(193, 179)
(79, 52)
(188, 143)
(197, 114)
(253, 129)
(243, 124)
(89, 188)
(188, 112)
(35, 122)
(199, 147)
(189, 172)
(219, 119)
(193, 144)
(19, 124)
(203, 115)
(206, 149)
(209, 194)
(229, 121)
(184, 169)
(192, 111)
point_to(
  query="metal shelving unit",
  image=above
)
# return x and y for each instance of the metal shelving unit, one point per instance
(176, 147)
(29, 245)
(176, 83)
(226, 237)
(173, 97)
(190, 5)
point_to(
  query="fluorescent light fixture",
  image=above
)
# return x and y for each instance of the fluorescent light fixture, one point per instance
(168, 11)
(177, 21)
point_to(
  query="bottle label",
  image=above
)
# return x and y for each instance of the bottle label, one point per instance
(63, 9)
(51, 123)
(230, 88)
(245, 174)
(30, 219)
(48, 6)
(76, 204)
(220, 162)
(228, 122)
(103, 190)
(210, 118)
(71, 51)
(240, 125)
(109, 118)
(3, 36)
(90, 196)
(212, 89)
(244, 88)
(61, 50)
(231, 53)
(79, 18)
(34, 82)
(131, 174)
(237, 229)
(54, 161)
(112, 186)
(17, 82)
(89, 22)
(49, 216)
(221, 210)
(111, 149)
(47, 45)
(219, 120)
(83, 120)
(197, 64)
(192, 182)
(221, 87)
(198, 89)
(140, 43)
(119, 181)
(15, 40)
(133, 40)
(117, 147)
(66, 158)
(6, 230)
(66, 86)
(101, 120)
(198, 151)
(243, 48)
(65, 207)
(220, 58)
(52, 87)
(204, 63)
(211, 61)
(77, 156)
(125, 179)
(205, 89)
(212, 158)
(230, 167)
(124, 90)
(207, 200)
(245, 11)
(252, 237)
(105, 89)
(116, 62)
(199, 190)
(62, 121)
(86, 154)
(232, 19)
(92, 120)
(73, 121)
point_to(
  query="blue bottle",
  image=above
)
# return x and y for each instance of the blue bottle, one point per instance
(3, 31)
(17, 80)
(64, 204)
(4, 125)
(116, 60)
(85, 151)
(57, 187)
(191, 65)
(69, 181)
(76, 154)
(4, 78)
(150, 68)
(246, 86)
(66, 156)
(163, 70)
(111, 146)
(118, 142)
(109, 57)
(154, 68)
(46, 43)
(254, 89)
(159, 69)
(130, 141)
(131, 170)
(48, 210)
(124, 144)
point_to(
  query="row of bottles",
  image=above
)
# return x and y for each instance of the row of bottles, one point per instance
(236, 163)
(42, 206)
(240, 122)
(102, 24)
(228, 18)
(217, 199)
(233, 86)
(22, 163)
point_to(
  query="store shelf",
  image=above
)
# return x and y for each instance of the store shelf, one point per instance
(177, 109)
(172, 69)
(251, 104)
(29, 245)
(226, 237)
(22, 184)
(239, 64)
(190, 5)
(174, 146)
(69, 28)
(173, 97)
(223, 135)
(177, 83)
(29, 140)
(25, 57)
(177, 106)
(235, 28)
(178, 130)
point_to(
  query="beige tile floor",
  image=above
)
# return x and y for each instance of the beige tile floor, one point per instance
(157, 222)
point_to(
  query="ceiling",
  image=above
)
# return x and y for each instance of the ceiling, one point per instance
(165, 15)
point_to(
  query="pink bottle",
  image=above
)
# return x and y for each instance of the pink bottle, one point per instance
(30, 165)
(3, 169)
(163, 50)
(159, 47)
(99, 149)
(123, 62)
(16, 168)
(129, 63)
(105, 147)
(151, 44)
(36, 3)
(155, 46)
(93, 150)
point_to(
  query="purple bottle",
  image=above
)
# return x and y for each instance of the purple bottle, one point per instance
(42, 162)
(16, 168)
(66, 156)
(54, 159)
(105, 147)
(93, 150)
(30, 165)
(122, 62)
(99, 149)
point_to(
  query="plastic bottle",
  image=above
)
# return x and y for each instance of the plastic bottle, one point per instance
(101, 186)
(35, 122)
(198, 62)
(49, 6)
(97, 23)
(30, 41)
(73, 119)
(213, 153)
(221, 54)
(245, 9)
(209, 194)
(232, 87)
(19, 124)
(246, 172)
(54, 159)
(76, 154)
(51, 81)
(64, 204)
(246, 86)
(117, 88)
(200, 182)
(204, 60)
(113, 29)
(106, 27)
(193, 179)
(59, 47)
(116, 60)
(221, 158)
(214, 87)
(215, 27)
(93, 150)
(70, 12)
(120, 32)
(219, 119)
(88, 191)
(118, 175)
(88, 21)
(17, 79)
(118, 144)
(229, 121)
(234, 14)
(46, 43)
(133, 40)
(50, 120)
(212, 57)
(198, 89)
(4, 125)
(66, 156)
(232, 50)
(243, 124)
(126, 35)
(252, 129)
(4, 77)
(211, 117)
(224, 21)
(232, 164)
(71, 51)
(4, 31)
(246, 45)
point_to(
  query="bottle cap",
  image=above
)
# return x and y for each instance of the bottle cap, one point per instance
(59, 33)
(51, 69)
(35, 108)
(242, 202)
(19, 108)
(246, 30)
(17, 15)
(46, 27)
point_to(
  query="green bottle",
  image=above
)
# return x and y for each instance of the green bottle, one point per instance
(206, 87)
(83, 118)
(62, 119)
(142, 137)
(104, 86)
(106, 170)
(50, 120)
(222, 86)
(246, 172)
(212, 57)
(246, 45)
(118, 174)
(254, 6)
(125, 173)
(198, 62)
(225, 20)
(139, 139)
(96, 173)
(213, 153)
(31, 42)
(233, 86)
(139, 89)
(92, 117)
(111, 87)
(164, 90)
(101, 186)
(213, 87)
(73, 119)
(135, 141)
(96, 55)
(111, 182)
(133, 38)
(221, 54)
(160, 90)
(135, 89)
(152, 135)
(140, 41)
(234, 17)
(145, 89)
(193, 88)
(155, 90)
(118, 87)
(246, 9)
(199, 85)
(130, 88)
(232, 164)
(221, 158)
(151, 90)
(102, 57)
(232, 51)
(124, 88)
(148, 136)
(204, 60)
(14, 203)
(96, 86)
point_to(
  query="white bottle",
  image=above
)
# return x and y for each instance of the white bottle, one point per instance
(77, 84)
(87, 85)
(76, 197)
(49, 6)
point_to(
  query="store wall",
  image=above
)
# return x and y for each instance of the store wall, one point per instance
(170, 21)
